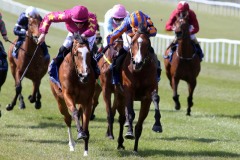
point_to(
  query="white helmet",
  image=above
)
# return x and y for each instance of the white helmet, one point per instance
(31, 12)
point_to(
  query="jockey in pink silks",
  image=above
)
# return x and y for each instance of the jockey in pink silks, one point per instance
(183, 8)
(77, 20)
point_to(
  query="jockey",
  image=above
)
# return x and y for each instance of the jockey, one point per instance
(129, 26)
(112, 19)
(183, 7)
(77, 20)
(21, 28)
(3, 55)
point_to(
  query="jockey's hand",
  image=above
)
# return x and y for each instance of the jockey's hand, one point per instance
(5, 38)
(173, 28)
(84, 37)
(41, 38)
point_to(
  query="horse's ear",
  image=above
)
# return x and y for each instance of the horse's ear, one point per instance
(76, 35)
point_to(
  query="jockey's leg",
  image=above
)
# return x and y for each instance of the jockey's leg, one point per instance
(45, 49)
(157, 63)
(199, 50)
(17, 46)
(173, 46)
(117, 65)
(94, 65)
(55, 64)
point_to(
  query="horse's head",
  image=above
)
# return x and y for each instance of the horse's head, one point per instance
(81, 58)
(114, 50)
(33, 28)
(182, 26)
(140, 47)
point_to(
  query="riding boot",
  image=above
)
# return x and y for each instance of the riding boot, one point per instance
(199, 51)
(16, 48)
(45, 50)
(55, 64)
(95, 67)
(157, 62)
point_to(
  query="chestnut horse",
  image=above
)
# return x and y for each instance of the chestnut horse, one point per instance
(105, 64)
(29, 53)
(139, 79)
(185, 64)
(77, 80)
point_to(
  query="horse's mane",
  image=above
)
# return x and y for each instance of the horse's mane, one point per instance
(80, 39)
(142, 29)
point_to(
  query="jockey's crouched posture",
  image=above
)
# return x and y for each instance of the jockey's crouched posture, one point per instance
(78, 20)
(183, 7)
(129, 26)
(21, 28)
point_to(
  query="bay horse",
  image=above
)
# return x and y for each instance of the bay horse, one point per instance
(36, 70)
(77, 80)
(139, 79)
(105, 65)
(185, 64)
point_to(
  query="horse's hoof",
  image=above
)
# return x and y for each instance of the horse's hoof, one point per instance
(92, 117)
(188, 114)
(108, 135)
(126, 124)
(157, 129)
(121, 147)
(177, 107)
(129, 135)
(0, 114)
(81, 135)
(38, 105)
(9, 107)
(31, 99)
(22, 105)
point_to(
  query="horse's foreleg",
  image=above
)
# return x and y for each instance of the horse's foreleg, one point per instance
(81, 133)
(95, 102)
(71, 142)
(144, 110)
(191, 87)
(121, 120)
(107, 100)
(21, 102)
(38, 100)
(18, 90)
(131, 116)
(85, 123)
(32, 98)
(157, 127)
(175, 82)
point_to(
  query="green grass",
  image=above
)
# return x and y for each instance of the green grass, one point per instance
(212, 132)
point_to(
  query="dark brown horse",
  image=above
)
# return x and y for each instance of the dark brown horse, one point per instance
(185, 64)
(139, 79)
(77, 81)
(3, 65)
(107, 88)
(37, 68)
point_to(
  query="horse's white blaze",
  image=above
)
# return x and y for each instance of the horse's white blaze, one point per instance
(71, 141)
(138, 57)
(84, 52)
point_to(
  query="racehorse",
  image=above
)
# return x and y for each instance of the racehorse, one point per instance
(105, 64)
(77, 81)
(36, 70)
(139, 79)
(3, 65)
(185, 64)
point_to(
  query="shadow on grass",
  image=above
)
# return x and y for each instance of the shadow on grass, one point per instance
(173, 153)
(204, 140)
(218, 115)
(41, 125)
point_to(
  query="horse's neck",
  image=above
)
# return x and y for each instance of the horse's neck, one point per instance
(185, 47)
